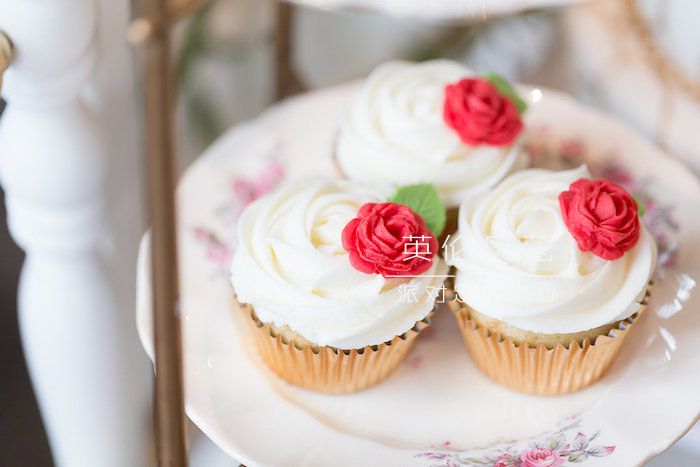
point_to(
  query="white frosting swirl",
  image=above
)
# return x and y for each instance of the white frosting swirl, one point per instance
(518, 262)
(290, 265)
(395, 133)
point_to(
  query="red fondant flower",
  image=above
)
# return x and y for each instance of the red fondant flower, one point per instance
(480, 114)
(601, 216)
(389, 239)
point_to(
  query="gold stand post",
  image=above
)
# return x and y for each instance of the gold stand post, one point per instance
(6, 53)
(287, 81)
(153, 29)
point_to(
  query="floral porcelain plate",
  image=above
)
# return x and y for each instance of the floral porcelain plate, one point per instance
(438, 10)
(438, 409)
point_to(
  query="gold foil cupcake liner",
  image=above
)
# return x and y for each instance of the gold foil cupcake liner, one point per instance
(328, 369)
(540, 370)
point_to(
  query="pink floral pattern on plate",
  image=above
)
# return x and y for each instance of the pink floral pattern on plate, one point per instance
(242, 191)
(217, 252)
(563, 446)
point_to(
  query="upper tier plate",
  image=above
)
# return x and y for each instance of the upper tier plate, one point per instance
(437, 409)
(437, 10)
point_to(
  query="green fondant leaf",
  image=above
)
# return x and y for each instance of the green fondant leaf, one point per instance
(425, 201)
(504, 87)
(641, 208)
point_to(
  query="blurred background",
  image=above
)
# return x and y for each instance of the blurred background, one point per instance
(639, 59)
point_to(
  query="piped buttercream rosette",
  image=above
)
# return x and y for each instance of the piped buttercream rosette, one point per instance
(318, 274)
(432, 122)
(327, 258)
(553, 252)
(552, 271)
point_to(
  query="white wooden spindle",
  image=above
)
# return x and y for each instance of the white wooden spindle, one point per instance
(78, 334)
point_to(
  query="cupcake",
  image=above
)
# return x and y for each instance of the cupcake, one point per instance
(432, 122)
(337, 279)
(552, 270)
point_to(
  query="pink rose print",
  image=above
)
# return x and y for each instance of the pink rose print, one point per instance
(506, 460)
(216, 250)
(248, 190)
(562, 447)
(541, 457)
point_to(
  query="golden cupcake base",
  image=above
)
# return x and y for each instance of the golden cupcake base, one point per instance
(540, 369)
(328, 369)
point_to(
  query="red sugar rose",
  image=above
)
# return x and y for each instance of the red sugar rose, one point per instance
(480, 114)
(389, 239)
(601, 216)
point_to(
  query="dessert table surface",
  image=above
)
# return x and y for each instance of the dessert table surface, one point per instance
(437, 409)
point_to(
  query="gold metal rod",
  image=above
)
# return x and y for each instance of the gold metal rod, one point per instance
(282, 50)
(287, 81)
(181, 8)
(142, 26)
(6, 53)
(159, 109)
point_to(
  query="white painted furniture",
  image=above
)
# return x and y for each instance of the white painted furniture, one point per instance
(69, 165)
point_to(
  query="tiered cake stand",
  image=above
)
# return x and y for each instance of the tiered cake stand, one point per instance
(438, 409)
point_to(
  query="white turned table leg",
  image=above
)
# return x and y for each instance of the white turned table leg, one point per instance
(91, 381)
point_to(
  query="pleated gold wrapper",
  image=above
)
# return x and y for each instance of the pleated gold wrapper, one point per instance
(540, 370)
(327, 369)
